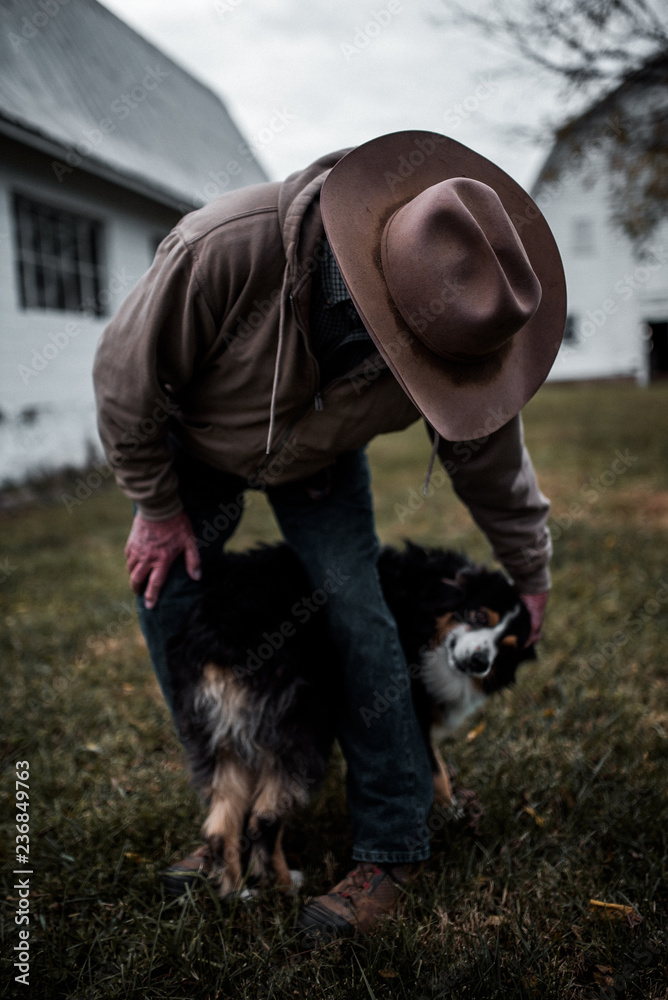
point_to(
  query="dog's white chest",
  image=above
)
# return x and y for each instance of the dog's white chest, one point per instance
(455, 693)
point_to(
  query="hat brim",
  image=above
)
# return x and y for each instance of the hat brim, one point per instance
(460, 401)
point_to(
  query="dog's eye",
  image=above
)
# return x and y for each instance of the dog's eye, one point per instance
(476, 616)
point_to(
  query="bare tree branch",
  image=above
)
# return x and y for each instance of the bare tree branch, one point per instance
(612, 54)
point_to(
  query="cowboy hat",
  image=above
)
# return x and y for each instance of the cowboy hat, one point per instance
(454, 272)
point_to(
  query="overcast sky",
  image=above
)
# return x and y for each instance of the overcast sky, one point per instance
(305, 77)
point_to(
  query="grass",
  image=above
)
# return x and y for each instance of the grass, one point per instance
(571, 766)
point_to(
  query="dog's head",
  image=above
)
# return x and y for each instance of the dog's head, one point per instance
(485, 633)
(479, 643)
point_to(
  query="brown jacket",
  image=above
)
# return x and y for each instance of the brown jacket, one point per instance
(214, 340)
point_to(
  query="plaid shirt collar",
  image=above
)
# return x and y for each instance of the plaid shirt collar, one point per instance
(333, 285)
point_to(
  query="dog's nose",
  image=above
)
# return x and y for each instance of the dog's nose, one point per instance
(479, 662)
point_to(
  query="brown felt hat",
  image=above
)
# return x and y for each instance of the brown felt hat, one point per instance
(454, 272)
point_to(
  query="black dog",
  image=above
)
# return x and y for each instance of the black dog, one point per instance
(256, 691)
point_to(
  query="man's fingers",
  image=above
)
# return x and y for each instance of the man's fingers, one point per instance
(535, 605)
(155, 582)
(152, 548)
(193, 562)
(132, 560)
(138, 573)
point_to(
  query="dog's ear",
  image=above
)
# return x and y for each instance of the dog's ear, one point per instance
(453, 592)
(461, 581)
(464, 576)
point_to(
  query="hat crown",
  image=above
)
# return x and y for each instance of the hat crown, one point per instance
(457, 271)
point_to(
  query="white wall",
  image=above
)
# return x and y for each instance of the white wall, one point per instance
(611, 292)
(46, 356)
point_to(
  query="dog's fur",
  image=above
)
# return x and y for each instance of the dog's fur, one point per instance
(255, 678)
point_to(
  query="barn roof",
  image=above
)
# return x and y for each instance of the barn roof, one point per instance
(80, 85)
(632, 112)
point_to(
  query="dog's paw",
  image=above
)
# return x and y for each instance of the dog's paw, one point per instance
(297, 879)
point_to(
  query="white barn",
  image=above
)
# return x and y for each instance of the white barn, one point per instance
(104, 144)
(617, 323)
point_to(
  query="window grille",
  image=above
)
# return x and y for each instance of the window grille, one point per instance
(58, 258)
(571, 330)
(583, 237)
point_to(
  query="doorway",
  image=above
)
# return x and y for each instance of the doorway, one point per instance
(658, 354)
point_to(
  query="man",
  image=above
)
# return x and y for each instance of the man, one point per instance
(280, 328)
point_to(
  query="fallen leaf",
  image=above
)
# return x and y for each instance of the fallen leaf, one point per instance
(538, 820)
(616, 911)
(388, 974)
(470, 736)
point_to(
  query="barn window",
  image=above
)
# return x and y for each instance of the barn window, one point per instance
(58, 258)
(583, 236)
(570, 331)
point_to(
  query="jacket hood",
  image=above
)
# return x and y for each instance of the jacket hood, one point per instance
(296, 197)
(301, 230)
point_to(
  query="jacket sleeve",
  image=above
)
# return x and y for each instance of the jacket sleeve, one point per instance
(147, 353)
(495, 479)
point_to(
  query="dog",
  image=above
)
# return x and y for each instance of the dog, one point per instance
(255, 684)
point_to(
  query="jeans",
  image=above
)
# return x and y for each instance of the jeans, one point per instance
(328, 521)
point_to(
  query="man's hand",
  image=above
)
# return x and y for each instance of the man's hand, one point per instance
(152, 548)
(535, 605)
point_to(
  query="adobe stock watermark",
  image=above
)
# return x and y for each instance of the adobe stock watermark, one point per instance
(625, 288)
(631, 625)
(577, 161)
(85, 486)
(131, 439)
(646, 955)
(33, 24)
(591, 492)
(223, 7)
(301, 611)
(450, 462)
(95, 646)
(458, 113)
(439, 817)
(266, 309)
(220, 180)
(97, 642)
(580, 158)
(228, 514)
(260, 312)
(397, 685)
(121, 108)
(408, 163)
(415, 501)
(7, 568)
(366, 33)
(56, 343)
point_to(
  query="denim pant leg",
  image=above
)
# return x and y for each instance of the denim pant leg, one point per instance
(389, 780)
(214, 503)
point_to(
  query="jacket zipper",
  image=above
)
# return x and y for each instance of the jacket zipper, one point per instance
(317, 396)
(318, 402)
